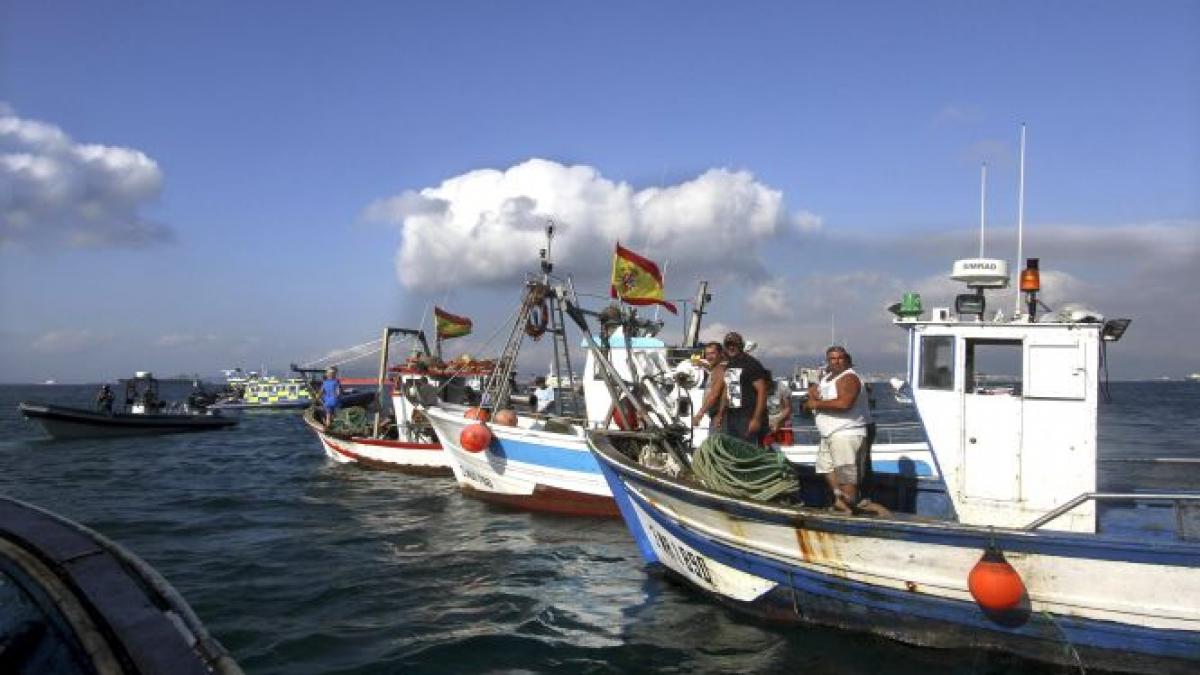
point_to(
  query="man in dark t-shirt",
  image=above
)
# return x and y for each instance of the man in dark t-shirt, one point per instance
(746, 383)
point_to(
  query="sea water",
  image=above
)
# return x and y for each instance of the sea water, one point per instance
(300, 565)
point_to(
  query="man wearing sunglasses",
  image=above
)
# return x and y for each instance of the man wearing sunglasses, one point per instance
(746, 387)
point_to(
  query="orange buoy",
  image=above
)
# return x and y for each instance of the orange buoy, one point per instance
(480, 414)
(475, 438)
(505, 417)
(994, 583)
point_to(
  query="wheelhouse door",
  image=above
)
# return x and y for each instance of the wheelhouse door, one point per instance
(992, 419)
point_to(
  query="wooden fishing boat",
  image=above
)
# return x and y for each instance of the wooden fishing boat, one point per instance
(1031, 559)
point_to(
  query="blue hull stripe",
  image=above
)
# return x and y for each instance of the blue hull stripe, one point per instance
(556, 457)
(862, 596)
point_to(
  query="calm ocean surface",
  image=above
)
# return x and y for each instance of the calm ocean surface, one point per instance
(298, 565)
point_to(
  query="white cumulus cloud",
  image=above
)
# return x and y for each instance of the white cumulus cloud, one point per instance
(487, 225)
(57, 191)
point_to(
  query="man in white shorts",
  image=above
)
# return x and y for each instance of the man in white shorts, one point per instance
(839, 405)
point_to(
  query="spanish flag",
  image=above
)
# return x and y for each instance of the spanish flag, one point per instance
(637, 281)
(450, 325)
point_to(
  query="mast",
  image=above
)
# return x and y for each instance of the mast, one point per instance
(691, 334)
(1020, 217)
(982, 205)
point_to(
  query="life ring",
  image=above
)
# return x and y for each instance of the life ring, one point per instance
(539, 318)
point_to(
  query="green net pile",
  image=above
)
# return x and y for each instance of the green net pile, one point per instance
(350, 422)
(737, 468)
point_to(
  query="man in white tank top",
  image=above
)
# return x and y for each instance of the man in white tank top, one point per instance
(839, 405)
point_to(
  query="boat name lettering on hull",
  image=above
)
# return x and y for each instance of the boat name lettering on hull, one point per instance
(477, 477)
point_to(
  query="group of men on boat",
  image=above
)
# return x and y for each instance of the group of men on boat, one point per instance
(736, 404)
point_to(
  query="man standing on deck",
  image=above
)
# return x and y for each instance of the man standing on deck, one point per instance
(746, 387)
(840, 410)
(714, 386)
(331, 390)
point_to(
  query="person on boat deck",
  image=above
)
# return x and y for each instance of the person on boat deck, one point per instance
(544, 395)
(331, 390)
(104, 399)
(839, 405)
(713, 363)
(746, 392)
(130, 392)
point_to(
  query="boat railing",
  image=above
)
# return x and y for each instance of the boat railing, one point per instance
(1177, 499)
(900, 432)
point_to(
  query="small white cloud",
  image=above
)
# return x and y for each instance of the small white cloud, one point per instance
(65, 193)
(486, 225)
(70, 341)
(806, 222)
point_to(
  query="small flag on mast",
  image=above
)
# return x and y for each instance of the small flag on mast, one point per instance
(450, 325)
(636, 280)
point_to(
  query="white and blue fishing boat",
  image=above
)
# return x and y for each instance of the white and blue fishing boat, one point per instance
(1031, 558)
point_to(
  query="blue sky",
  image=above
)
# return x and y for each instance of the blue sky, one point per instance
(249, 196)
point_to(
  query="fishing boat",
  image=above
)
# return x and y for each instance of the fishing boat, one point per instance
(403, 441)
(142, 414)
(1031, 558)
(72, 601)
(533, 462)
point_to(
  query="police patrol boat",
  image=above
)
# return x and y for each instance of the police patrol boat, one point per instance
(1029, 556)
(142, 413)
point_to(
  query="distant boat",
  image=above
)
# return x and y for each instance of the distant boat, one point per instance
(1194, 377)
(50, 382)
(143, 413)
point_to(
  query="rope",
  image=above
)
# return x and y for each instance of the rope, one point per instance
(734, 467)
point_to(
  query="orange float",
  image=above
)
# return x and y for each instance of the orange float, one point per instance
(477, 414)
(994, 583)
(475, 438)
(505, 417)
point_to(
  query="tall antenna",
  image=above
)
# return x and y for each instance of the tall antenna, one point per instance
(1020, 216)
(982, 205)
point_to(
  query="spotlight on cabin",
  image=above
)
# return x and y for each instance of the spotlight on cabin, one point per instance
(967, 304)
(1114, 329)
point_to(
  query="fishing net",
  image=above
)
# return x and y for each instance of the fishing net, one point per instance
(736, 468)
(350, 422)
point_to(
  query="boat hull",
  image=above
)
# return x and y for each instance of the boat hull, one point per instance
(62, 422)
(73, 601)
(1089, 601)
(424, 459)
(527, 469)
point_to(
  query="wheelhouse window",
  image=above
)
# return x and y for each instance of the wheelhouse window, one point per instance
(937, 362)
(993, 367)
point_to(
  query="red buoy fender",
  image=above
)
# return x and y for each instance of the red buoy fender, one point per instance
(994, 583)
(480, 414)
(475, 438)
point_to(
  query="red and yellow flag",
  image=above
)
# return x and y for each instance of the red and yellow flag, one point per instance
(636, 280)
(450, 325)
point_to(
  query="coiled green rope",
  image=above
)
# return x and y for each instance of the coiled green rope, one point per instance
(734, 467)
